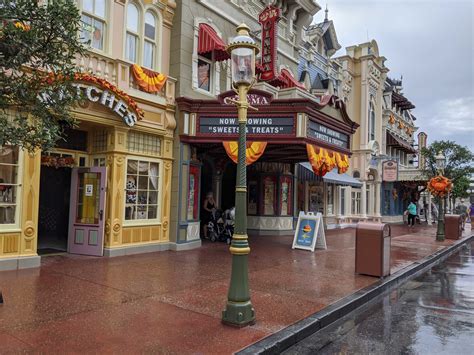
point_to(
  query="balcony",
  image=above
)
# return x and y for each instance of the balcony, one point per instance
(118, 72)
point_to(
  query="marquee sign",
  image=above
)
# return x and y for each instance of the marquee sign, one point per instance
(218, 125)
(321, 132)
(268, 19)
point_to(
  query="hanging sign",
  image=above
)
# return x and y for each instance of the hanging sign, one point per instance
(390, 170)
(309, 233)
(268, 19)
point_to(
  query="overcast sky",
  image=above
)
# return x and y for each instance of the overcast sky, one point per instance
(431, 44)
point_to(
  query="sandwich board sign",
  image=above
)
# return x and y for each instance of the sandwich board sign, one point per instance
(309, 232)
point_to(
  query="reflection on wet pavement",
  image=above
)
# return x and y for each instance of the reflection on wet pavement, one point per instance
(432, 314)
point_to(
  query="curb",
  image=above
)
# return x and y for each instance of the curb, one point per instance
(283, 339)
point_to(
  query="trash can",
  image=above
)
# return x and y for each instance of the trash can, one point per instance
(452, 226)
(372, 249)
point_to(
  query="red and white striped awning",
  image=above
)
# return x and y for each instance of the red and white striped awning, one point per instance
(210, 42)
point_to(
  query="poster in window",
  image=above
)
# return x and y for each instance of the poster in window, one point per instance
(285, 196)
(269, 194)
(193, 191)
(204, 75)
(252, 198)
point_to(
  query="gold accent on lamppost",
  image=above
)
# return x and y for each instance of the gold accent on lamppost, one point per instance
(239, 310)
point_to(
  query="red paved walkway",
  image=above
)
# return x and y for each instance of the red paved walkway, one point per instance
(170, 302)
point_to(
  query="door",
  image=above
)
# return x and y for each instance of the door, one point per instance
(86, 218)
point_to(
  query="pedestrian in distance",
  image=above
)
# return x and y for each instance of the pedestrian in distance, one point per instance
(462, 210)
(411, 209)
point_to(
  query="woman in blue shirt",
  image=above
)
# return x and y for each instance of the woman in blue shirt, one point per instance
(411, 214)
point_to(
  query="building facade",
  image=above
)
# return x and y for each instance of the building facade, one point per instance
(106, 190)
(364, 74)
(289, 118)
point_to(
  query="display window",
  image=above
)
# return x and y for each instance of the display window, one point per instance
(252, 204)
(9, 186)
(269, 195)
(141, 190)
(316, 198)
(286, 189)
(330, 199)
(193, 193)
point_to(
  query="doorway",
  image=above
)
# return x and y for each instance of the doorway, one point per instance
(228, 186)
(53, 223)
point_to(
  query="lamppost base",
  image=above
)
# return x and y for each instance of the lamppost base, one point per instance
(238, 314)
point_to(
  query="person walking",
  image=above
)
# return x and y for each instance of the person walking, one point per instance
(462, 210)
(411, 214)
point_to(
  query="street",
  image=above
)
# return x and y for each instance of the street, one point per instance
(432, 314)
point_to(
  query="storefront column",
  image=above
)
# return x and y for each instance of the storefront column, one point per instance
(348, 201)
(371, 201)
(217, 187)
(363, 200)
(338, 201)
(30, 203)
(428, 216)
(377, 199)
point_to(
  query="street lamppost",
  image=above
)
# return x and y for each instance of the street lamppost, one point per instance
(440, 165)
(239, 310)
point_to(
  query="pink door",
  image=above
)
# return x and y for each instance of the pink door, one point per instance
(86, 216)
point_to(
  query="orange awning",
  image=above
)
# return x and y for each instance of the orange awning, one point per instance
(210, 42)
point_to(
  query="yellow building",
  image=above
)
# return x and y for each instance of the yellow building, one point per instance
(106, 189)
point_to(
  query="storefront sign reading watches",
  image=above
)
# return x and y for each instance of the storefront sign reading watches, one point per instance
(108, 99)
(269, 18)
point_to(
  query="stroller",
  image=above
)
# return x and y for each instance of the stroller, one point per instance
(221, 226)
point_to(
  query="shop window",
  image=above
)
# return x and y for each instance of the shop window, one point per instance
(143, 143)
(74, 140)
(286, 184)
(316, 201)
(371, 121)
(355, 205)
(99, 141)
(9, 185)
(252, 205)
(204, 74)
(93, 23)
(132, 37)
(269, 196)
(141, 190)
(330, 199)
(386, 201)
(193, 193)
(149, 47)
(141, 36)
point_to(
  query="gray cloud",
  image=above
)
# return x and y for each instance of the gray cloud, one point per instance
(430, 43)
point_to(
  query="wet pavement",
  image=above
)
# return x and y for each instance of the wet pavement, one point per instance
(171, 302)
(432, 314)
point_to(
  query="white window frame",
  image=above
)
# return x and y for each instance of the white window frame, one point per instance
(356, 201)
(15, 227)
(144, 222)
(105, 45)
(215, 68)
(142, 10)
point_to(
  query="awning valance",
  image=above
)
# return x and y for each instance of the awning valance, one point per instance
(393, 140)
(210, 42)
(324, 160)
(253, 151)
(333, 177)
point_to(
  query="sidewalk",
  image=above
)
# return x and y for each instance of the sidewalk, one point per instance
(171, 302)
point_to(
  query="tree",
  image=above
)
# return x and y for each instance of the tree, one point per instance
(459, 164)
(39, 43)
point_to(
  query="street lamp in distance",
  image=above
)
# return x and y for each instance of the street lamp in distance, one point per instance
(440, 165)
(239, 310)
